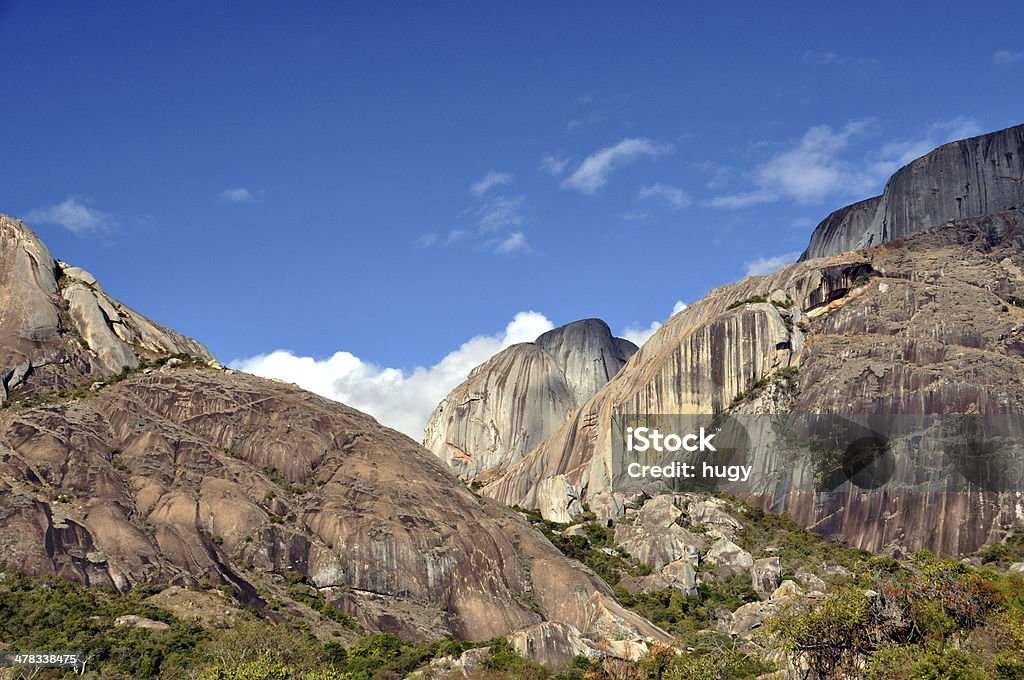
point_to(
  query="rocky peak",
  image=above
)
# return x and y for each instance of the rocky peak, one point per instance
(928, 324)
(967, 178)
(59, 327)
(587, 354)
(513, 401)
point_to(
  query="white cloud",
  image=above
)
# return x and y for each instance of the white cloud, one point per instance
(73, 215)
(489, 181)
(513, 243)
(743, 199)
(1006, 58)
(635, 216)
(554, 165)
(898, 152)
(813, 169)
(237, 195)
(500, 212)
(398, 398)
(456, 235)
(426, 240)
(817, 166)
(638, 335)
(594, 171)
(768, 265)
(671, 195)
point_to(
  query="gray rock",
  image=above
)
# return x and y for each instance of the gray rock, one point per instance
(133, 621)
(608, 506)
(766, 575)
(58, 326)
(657, 546)
(512, 402)
(967, 178)
(811, 581)
(729, 558)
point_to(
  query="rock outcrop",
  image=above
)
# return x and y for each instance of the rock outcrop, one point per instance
(58, 328)
(513, 401)
(183, 473)
(968, 178)
(928, 324)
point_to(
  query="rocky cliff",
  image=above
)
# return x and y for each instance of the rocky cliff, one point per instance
(967, 178)
(931, 323)
(58, 328)
(513, 401)
(180, 472)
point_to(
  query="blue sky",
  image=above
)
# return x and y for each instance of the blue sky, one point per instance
(392, 180)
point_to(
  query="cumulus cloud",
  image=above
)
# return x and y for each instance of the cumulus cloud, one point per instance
(638, 335)
(489, 181)
(73, 215)
(554, 165)
(767, 265)
(594, 171)
(237, 195)
(1006, 58)
(401, 399)
(675, 197)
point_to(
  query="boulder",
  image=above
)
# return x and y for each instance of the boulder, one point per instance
(766, 575)
(133, 621)
(729, 558)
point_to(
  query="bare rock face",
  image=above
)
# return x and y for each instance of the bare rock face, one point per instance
(967, 178)
(766, 575)
(513, 401)
(59, 328)
(183, 474)
(928, 324)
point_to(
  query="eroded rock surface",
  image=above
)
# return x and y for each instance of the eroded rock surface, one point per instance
(183, 474)
(928, 324)
(967, 178)
(512, 402)
(58, 328)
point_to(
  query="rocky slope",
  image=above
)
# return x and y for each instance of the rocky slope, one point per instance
(513, 401)
(181, 472)
(967, 178)
(931, 323)
(58, 328)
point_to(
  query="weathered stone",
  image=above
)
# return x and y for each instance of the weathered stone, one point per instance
(1017, 567)
(967, 178)
(729, 558)
(811, 581)
(58, 326)
(657, 545)
(786, 589)
(937, 341)
(560, 501)
(766, 575)
(133, 621)
(608, 506)
(483, 425)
